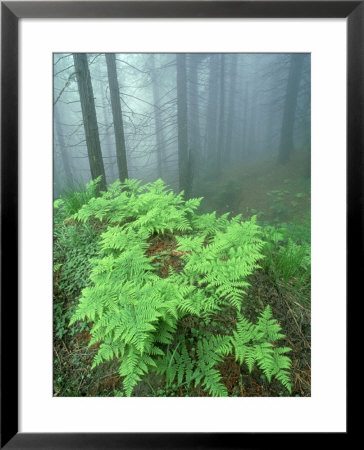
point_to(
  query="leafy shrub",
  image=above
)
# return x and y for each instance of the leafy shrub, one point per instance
(74, 244)
(62, 315)
(160, 263)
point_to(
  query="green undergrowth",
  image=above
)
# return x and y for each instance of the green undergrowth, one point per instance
(287, 252)
(72, 200)
(152, 276)
(73, 246)
(157, 292)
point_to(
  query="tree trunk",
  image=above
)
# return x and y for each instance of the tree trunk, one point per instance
(183, 159)
(289, 113)
(194, 117)
(160, 150)
(245, 121)
(108, 147)
(220, 149)
(252, 138)
(231, 110)
(211, 125)
(117, 116)
(89, 118)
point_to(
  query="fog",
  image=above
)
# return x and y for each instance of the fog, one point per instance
(194, 120)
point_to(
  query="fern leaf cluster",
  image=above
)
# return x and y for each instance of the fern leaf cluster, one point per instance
(134, 312)
(152, 207)
(200, 368)
(255, 344)
(222, 266)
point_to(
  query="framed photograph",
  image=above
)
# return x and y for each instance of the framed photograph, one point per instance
(181, 190)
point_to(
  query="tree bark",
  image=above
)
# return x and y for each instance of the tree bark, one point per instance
(108, 147)
(117, 116)
(89, 119)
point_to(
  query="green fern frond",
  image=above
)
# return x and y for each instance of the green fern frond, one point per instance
(255, 344)
(212, 383)
(268, 327)
(135, 310)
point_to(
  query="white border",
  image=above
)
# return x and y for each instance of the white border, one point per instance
(325, 410)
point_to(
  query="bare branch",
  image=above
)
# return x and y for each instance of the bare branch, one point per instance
(64, 87)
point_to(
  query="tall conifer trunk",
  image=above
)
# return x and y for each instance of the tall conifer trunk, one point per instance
(211, 113)
(231, 109)
(220, 145)
(160, 150)
(117, 116)
(183, 160)
(89, 118)
(193, 115)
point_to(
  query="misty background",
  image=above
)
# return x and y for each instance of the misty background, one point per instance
(204, 123)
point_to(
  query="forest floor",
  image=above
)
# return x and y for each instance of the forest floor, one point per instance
(277, 195)
(73, 356)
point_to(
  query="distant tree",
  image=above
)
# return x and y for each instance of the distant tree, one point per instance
(160, 150)
(245, 120)
(193, 61)
(222, 119)
(212, 108)
(68, 181)
(117, 116)
(290, 105)
(252, 123)
(89, 118)
(231, 108)
(184, 164)
(303, 115)
(307, 128)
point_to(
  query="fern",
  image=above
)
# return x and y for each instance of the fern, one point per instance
(223, 265)
(135, 310)
(254, 344)
(181, 367)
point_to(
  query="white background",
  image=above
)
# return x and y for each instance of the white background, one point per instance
(325, 410)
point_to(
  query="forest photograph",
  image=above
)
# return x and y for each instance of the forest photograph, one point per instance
(181, 225)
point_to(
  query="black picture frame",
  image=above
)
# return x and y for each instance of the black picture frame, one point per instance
(11, 12)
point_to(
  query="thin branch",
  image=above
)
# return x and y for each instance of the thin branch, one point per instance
(65, 86)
